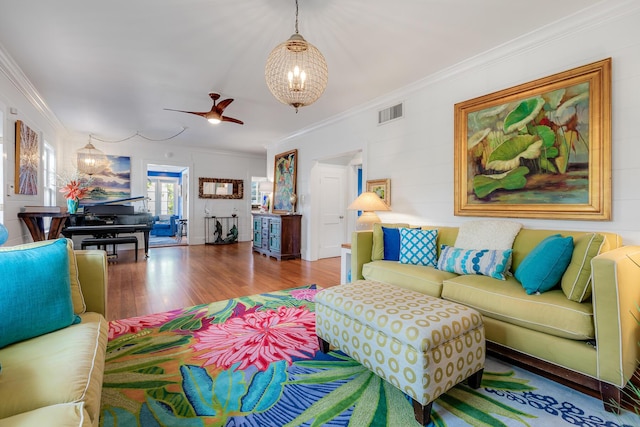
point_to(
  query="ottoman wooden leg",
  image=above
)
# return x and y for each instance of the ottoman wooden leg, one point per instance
(422, 412)
(475, 379)
(324, 346)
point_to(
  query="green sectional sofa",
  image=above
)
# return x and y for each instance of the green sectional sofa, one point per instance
(53, 378)
(590, 345)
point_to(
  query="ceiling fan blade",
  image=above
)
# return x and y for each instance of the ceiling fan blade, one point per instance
(197, 113)
(232, 120)
(223, 104)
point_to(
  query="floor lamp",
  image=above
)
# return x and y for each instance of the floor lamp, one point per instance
(368, 202)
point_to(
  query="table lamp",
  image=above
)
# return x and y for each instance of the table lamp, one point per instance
(368, 202)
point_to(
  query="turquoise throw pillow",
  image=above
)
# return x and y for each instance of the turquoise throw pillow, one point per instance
(544, 266)
(418, 246)
(36, 292)
(485, 262)
(391, 238)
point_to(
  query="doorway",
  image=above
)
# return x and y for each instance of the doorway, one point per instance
(168, 204)
(338, 186)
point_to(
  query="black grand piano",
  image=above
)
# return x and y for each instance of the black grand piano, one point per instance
(110, 219)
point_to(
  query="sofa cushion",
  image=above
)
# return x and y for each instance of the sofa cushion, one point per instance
(492, 263)
(36, 292)
(418, 246)
(391, 237)
(543, 268)
(427, 280)
(64, 366)
(551, 312)
(487, 234)
(76, 291)
(576, 280)
(377, 250)
(67, 415)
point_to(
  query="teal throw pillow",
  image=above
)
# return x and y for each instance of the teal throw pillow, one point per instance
(485, 262)
(544, 266)
(36, 292)
(418, 246)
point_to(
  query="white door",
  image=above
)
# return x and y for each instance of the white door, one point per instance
(332, 210)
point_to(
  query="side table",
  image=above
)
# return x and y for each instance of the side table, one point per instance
(345, 263)
(35, 224)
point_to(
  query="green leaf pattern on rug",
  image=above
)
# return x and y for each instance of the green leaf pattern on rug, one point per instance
(265, 388)
(153, 377)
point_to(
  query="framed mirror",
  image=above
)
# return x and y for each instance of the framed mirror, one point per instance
(220, 188)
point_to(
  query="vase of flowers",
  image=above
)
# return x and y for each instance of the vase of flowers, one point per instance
(74, 190)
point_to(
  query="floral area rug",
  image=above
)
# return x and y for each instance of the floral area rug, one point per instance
(254, 361)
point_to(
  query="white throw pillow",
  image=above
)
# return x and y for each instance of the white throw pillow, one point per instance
(487, 234)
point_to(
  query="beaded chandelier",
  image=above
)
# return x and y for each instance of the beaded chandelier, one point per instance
(91, 160)
(296, 72)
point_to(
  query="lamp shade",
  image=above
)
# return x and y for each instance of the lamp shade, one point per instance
(368, 202)
(265, 187)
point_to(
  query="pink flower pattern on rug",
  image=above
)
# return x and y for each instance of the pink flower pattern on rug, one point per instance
(305, 294)
(133, 325)
(259, 338)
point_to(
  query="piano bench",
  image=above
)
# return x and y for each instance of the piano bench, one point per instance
(103, 242)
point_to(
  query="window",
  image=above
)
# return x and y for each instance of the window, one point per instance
(256, 194)
(163, 196)
(49, 173)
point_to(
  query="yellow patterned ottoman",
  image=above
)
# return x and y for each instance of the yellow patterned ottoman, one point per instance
(421, 344)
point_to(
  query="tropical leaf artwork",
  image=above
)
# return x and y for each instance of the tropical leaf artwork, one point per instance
(539, 145)
(254, 361)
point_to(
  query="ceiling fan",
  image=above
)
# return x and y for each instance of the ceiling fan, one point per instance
(215, 114)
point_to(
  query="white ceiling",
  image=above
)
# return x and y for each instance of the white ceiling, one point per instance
(109, 68)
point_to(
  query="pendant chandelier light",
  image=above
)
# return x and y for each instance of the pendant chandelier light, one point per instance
(296, 72)
(91, 160)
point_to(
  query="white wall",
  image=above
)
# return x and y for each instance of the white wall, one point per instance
(416, 152)
(17, 93)
(201, 163)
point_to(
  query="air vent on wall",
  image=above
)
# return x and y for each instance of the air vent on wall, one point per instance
(391, 113)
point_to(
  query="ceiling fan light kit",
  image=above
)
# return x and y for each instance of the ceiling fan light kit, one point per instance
(296, 72)
(214, 116)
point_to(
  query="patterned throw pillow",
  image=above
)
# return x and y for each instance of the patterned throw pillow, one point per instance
(418, 247)
(485, 262)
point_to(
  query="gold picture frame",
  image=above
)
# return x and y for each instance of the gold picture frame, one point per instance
(220, 188)
(538, 150)
(382, 187)
(285, 175)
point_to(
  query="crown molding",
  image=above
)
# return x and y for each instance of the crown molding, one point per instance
(583, 20)
(14, 74)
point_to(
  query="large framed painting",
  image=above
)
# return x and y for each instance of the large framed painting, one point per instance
(284, 182)
(538, 150)
(27, 160)
(113, 183)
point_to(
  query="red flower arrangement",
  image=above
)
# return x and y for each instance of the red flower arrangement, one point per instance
(75, 189)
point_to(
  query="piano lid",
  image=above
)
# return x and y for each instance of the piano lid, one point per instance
(116, 201)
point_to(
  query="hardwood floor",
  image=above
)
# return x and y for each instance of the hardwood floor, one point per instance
(182, 276)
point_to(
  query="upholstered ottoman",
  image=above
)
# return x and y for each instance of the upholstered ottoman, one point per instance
(421, 344)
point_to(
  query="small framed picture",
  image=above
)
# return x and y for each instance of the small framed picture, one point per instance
(382, 187)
